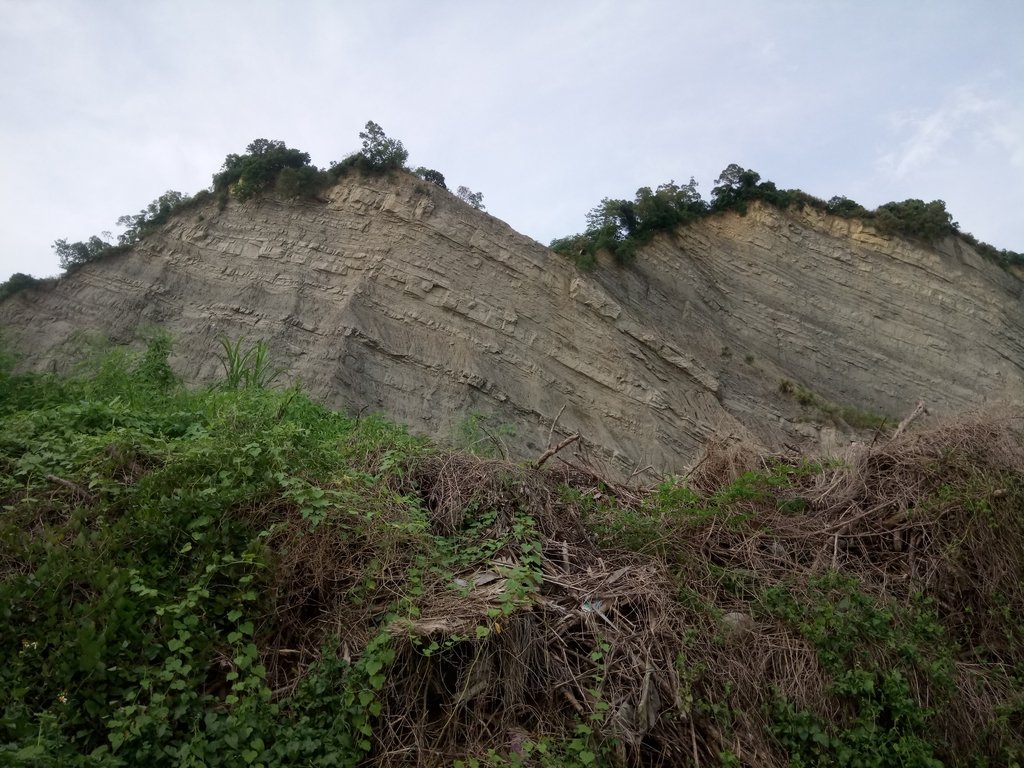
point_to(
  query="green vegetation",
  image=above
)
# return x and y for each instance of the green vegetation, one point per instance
(19, 281)
(840, 414)
(73, 255)
(381, 152)
(246, 176)
(619, 227)
(236, 576)
(155, 545)
(157, 213)
(482, 434)
(1003, 257)
(736, 187)
(268, 164)
(434, 177)
(915, 219)
(153, 215)
(250, 369)
(471, 198)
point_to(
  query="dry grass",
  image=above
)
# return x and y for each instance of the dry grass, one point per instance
(666, 650)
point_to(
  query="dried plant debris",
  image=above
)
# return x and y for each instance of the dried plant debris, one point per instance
(765, 610)
(240, 560)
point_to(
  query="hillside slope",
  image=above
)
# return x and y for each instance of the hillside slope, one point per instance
(240, 577)
(395, 296)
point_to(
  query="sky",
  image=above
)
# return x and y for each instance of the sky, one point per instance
(544, 106)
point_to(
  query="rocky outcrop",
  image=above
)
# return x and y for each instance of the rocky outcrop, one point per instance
(860, 319)
(395, 296)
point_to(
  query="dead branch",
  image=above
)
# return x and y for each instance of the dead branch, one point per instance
(551, 431)
(918, 410)
(86, 494)
(552, 451)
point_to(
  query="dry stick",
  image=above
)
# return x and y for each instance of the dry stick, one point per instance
(498, 444)
(552, 451)
(639, 470)
(843, 525)
(360, 414)
(73, 486)
(552, 430)
(918, 410)
(697, 466)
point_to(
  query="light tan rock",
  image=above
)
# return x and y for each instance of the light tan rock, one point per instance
(397, 297)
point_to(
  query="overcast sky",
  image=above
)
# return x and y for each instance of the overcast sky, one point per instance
(543, 106)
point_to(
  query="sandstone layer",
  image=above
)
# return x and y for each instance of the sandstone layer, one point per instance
(394, 296)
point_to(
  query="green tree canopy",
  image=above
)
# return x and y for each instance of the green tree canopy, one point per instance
(434, 177)
(475, 199)
(734, 187)
(916, 218)
(73, 255)
(619, 226)
(249, 174)
(845, 207)
(381, 152)
(16, 282)
(153, 215)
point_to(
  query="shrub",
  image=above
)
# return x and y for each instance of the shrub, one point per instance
(382, 153)
(474, 199)
(845, 207)
(620, 226)
(250, 174)
(150, 217)
(434, 177)
(306, 182)
(73, 255)
(916, 219)
(19, 281)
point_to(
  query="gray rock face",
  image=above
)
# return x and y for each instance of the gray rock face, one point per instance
(397, 297)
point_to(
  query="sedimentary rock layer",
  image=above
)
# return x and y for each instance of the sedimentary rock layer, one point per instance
(394, 296)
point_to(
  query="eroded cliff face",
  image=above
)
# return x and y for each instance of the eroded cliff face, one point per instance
(860, 319)
(394, 296)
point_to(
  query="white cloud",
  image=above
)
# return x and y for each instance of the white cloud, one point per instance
(545, 108)
(966, 118)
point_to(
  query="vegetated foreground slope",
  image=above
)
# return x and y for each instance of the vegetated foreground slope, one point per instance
(391, 294)
(240, 577)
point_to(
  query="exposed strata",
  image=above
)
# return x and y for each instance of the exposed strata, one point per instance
(397, 297)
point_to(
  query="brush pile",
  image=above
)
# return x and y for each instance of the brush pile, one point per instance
(761, 610)
(238, 577)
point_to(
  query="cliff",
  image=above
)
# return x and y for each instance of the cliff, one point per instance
(395, 296)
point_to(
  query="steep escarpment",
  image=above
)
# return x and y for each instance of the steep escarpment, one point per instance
(395, 296)
(832, 307)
